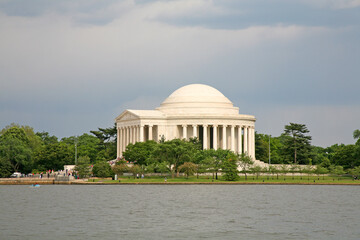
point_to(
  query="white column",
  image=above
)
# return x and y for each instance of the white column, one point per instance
(118, 142)
(246, 150)
(249, 142)
(224, 136)
(127, 137)
(122, 134)
(253, 142)
(131, 134)
(184, 128)
(194, 131)
(215, 136)
(232, 138)
(239, 140)
(138, 133)
(122, 139)
(134, 135)
(141, 133)
(205, 139)
(150, 132)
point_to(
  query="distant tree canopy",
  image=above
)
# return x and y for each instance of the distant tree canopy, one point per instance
(140, 152)
(106, 147)
(15, 149)
(23, 150)
(296, 143)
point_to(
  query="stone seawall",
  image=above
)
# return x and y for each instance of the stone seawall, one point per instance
(41, 181)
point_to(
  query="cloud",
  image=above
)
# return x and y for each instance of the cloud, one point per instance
(86, 61)
(334, 4)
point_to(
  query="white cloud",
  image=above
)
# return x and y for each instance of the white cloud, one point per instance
(54, 52)
(58, 57)
(184, 8)
(334, 4)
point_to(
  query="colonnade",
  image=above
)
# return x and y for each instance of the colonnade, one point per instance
(240, 140)
(132, 134)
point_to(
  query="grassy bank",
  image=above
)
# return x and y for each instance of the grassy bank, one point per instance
(303, 180)
(250, 180)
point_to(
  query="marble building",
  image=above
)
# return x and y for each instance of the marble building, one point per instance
(195, 110)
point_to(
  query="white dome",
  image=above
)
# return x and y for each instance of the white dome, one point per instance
(198, 98)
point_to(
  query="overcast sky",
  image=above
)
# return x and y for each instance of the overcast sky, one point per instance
(68, 67)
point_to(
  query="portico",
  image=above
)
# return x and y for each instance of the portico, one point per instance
(194, 110)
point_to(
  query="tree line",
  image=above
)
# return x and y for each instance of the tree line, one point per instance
(23, 150)
(294, 147)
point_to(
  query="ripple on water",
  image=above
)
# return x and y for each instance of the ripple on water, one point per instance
(178, 212)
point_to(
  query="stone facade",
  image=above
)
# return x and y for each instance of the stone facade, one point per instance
(194, 110)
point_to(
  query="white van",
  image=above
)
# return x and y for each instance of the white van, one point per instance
(16, 175)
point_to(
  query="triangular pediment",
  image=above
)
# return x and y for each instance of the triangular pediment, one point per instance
(140, 114)
(127, 115)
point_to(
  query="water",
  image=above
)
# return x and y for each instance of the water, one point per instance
(180, 212)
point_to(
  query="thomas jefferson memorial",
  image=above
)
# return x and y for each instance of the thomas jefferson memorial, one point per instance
(195, 110)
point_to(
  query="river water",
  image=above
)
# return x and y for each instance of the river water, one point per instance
(180, 212)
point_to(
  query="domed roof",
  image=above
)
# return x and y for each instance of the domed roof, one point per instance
(197, 98)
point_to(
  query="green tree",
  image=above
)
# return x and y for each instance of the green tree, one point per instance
(135, 169)
(276, 146)
(345, 155)
(33, 140)
(274, 170)
(46, 138)
(319, 154)
(102, 169)
(356, 134)
(297, 143)
(337, 170)
(163, 168)
(321, 170)
(188, 168)
(53, 156)
(107, 142)
(355, 172)
(87, 146)
(256, 170)
(15, 149)
(262, 147)
(5, 168)
(284, 169)
(213, 160)
(83, 167)
(139, 152)
(120, 168)
(293, 169)
(309, 170)
(245, 163)
(174, 152)
(230, 168)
